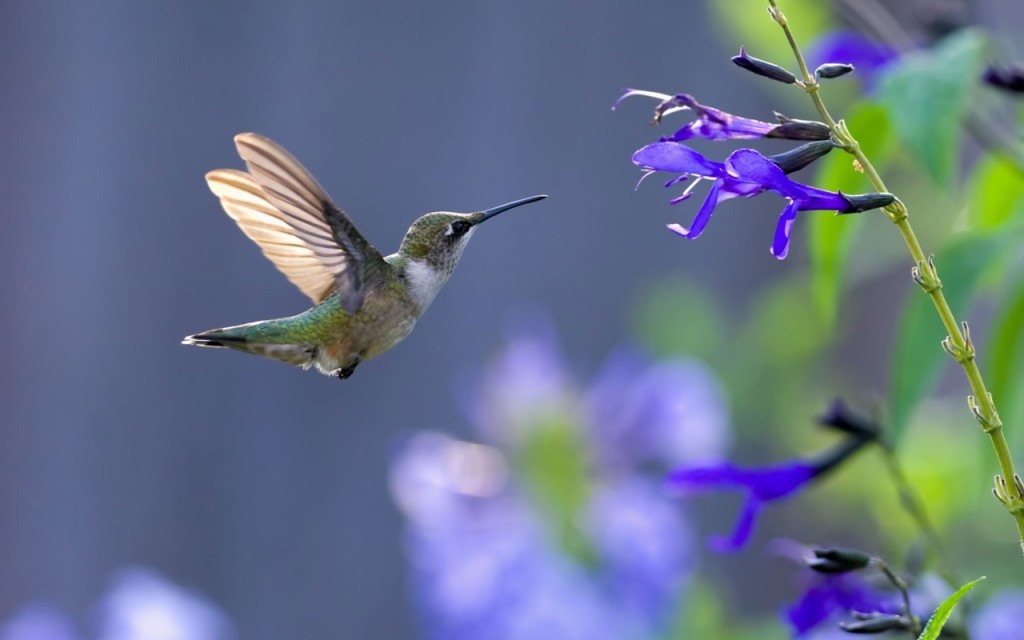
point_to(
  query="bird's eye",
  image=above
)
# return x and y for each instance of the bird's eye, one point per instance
(459, 227)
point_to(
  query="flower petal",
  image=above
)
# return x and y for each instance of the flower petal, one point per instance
(780, 245)
(750, 166)
(704, 214)
(673, 157)
(741, 531)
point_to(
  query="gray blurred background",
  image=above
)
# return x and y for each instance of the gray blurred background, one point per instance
(257, 484)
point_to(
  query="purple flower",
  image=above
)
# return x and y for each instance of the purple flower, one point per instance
(763, 485)
(830, 597)
(644, 545)
(745, 173)
(1000, 617)
(715, 124)
(488, 565)
(869, 57)
(672, 413)
(38, 622)
(526, 385)
(556, 526)
(141, 605)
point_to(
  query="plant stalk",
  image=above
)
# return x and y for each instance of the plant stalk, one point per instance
(958, 343)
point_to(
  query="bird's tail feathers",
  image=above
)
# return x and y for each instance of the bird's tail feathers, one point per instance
(259, 338)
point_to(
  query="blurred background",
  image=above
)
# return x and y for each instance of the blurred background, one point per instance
(266, 488)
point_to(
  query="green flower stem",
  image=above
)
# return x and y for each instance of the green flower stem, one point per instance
(958, 344)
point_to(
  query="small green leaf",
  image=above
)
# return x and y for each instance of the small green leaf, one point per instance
(1005, 371)
(918, 358)
(926, 96)
(830, 238)
(997, 193)
(941, 615)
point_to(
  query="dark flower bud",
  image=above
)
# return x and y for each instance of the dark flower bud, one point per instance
(838, 560)
(791, 129)
(833, 70)
(763, 68)
(1008, 78)
(840, 418)
(800, 157)
(866, 202)
(877, 624)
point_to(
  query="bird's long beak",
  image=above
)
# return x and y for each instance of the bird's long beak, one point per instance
(487, 214)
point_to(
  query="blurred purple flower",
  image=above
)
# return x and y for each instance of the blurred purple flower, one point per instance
(490, 558)
(38, 622)
(868, 57)
(525, 385)
(647, 553)
(141, 605)
(487, 566)
(745, 173)
(831, 597)
(672, 412)
(1000, 618)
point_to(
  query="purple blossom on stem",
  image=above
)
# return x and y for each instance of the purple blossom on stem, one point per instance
(831, 596)
(745, 173)
(715, 124)
(762, 485)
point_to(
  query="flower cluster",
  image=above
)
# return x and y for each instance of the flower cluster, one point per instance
(746, 172)
(557, 524)
(141, 605)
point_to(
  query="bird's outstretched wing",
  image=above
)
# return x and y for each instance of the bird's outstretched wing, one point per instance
(280, 207)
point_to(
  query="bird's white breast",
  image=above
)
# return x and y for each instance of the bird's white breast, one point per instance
(423, 282)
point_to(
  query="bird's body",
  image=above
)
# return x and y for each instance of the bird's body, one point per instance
(365, 303)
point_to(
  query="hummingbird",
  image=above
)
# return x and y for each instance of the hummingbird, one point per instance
(364, 303)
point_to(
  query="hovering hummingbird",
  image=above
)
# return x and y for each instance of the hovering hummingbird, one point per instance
(365, 303)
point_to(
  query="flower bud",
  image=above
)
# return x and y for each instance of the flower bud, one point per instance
(833, 70)
(840, 418)
(763, 68)
(838, 560)
(1009, 78)
(800, 157)
(792, 129)
(877, 624)
(866, 202)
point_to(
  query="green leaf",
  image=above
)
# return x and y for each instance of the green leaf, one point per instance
(926, 96)
(1005, 354)
(918, 358)
(941, 615)
(830, 238)
(997, 193)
